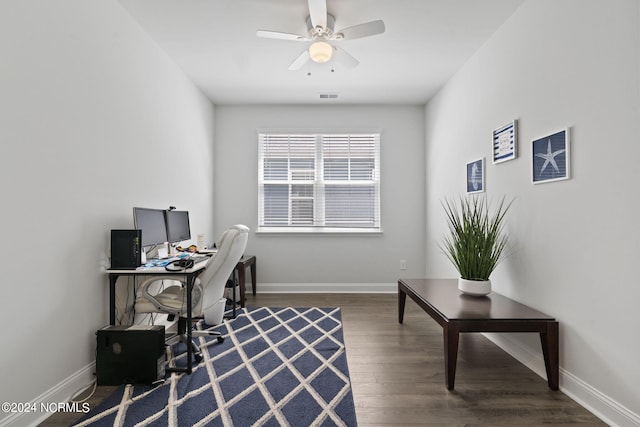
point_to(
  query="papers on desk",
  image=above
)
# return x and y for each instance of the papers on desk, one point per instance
(161, 262)
(155, 262)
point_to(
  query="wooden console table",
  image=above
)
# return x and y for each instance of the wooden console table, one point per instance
(457, 312)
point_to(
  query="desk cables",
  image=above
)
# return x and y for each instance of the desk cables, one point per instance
(181, 264)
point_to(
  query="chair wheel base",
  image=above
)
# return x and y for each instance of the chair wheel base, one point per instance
(220, 340)
(197, 357)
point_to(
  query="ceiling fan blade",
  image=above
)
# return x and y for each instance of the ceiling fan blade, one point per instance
(345, 58)
(362, 30)
(300, 60)
(318, 13)
(279, 35)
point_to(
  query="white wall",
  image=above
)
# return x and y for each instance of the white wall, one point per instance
(94, 119)
(556, 64)
(304, 261)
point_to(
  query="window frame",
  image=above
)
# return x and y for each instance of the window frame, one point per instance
(319, 182)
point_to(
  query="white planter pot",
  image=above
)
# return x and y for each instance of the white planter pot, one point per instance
(474, 287)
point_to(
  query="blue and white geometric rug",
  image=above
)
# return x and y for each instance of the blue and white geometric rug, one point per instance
(277, 367)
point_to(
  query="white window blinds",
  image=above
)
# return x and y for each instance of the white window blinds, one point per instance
(319, 182)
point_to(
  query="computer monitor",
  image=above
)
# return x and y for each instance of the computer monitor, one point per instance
(152, 224)
(178, 228)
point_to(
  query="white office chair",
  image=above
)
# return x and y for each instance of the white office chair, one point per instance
(207, 293)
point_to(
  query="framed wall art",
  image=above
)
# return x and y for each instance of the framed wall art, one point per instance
(550, 158)
(505, 142)
(475, 176)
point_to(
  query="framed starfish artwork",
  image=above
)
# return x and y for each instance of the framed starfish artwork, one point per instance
(475, 176)
(550, 157)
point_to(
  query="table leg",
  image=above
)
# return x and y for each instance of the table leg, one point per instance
(253, 276)
(241, 282)
(402, 299)
(451, 334)
(551, 353)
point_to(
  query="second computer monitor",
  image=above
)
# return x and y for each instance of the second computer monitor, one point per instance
(178, 228)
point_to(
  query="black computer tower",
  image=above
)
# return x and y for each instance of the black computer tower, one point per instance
(131, 354)
(126, 252)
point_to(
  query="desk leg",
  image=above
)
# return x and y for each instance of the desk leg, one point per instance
(113, 278)
(451, 333)
(402, 299)
(190, 282)
(190, 279)
(551, 352)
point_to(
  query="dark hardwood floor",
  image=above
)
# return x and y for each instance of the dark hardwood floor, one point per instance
(397, 371)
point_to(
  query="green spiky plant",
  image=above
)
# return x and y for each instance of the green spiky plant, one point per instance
(477, 241)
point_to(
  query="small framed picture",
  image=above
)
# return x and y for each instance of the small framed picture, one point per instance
(475, 176)
(550, 157)
(505, 142)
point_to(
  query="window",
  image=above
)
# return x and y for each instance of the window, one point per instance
(319, 182)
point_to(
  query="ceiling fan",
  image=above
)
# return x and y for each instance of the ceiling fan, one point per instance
(320, 26)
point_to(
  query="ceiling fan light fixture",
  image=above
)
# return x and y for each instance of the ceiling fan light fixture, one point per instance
(320, 52)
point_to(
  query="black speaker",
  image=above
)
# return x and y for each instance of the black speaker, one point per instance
(126, 252)
(130, 354)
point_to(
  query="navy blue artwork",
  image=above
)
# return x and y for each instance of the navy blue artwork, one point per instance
(475, 176)
(551, 158)
(504, 143)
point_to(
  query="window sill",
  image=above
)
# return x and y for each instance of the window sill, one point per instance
(319, 231)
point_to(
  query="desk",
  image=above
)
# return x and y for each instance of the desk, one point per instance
(241, 268)
(456, 312)
(189, 274)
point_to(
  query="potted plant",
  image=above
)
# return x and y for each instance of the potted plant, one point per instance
(477, 241)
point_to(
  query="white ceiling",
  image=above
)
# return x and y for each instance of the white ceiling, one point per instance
(215, 43)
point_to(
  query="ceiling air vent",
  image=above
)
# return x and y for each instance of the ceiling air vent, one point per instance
(328, 96)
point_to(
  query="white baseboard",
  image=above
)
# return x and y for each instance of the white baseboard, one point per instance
(601, 405)
(326, 288)
(60, 393)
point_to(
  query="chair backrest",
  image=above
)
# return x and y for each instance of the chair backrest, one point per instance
(214, 278)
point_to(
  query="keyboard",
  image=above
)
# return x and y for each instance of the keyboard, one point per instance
(207, 251)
